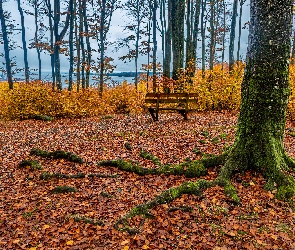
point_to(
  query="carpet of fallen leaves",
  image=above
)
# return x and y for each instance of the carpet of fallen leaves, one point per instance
(32, 217)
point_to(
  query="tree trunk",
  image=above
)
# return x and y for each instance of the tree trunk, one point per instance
(22, 18)
(233, 35)
(178, 14)
(154, 9)
(137, 43)
(6, 47)
(212, 34)
(224, 33)
(166, 63)
(101, 32)
(240, 29)
(265, 90)
(78, 47)
(88, 46)
(36, 5)
(81, 36)
(203, 35)
(48, 4)
(71, 44)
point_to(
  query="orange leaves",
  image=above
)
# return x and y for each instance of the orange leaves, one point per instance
(34, 218)
(36, 98)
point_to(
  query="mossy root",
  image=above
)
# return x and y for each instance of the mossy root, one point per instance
(165, 197)
(58, 154)
(33, 164)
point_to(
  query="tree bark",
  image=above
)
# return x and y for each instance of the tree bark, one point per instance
(22, 18)
(101, 32)
(203, 31)
(265, 90)
(233, 35)
(36, 5)
(71, 44)
(240, 29)
(155, 42)
(6, 47)
(178, 14)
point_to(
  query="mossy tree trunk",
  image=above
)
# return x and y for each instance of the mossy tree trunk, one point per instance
(265, 91)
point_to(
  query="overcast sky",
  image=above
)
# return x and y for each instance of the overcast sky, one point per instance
(116, 31)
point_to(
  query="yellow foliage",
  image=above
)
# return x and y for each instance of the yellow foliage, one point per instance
(217, 89)
(39, 99)
(291, 104)
(124, 99)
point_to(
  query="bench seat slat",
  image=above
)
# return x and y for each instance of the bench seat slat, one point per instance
(170, 100)
(176, 95)
(173, 109)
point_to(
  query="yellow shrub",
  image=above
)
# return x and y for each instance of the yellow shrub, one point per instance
(217, 89)
(291, 104)
(124, 99)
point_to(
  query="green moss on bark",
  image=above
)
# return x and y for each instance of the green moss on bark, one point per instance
(64, 189)
(58, 154)
(33, 164)
(189, 169)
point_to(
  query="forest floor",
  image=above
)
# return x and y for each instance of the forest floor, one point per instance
(33, 217)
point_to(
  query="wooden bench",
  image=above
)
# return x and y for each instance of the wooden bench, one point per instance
(181, 99)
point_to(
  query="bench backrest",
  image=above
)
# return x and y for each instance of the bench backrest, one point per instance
(170, 98)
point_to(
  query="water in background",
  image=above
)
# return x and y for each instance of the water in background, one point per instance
(46, 76)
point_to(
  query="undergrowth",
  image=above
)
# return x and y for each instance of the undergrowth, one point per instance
(217, 90)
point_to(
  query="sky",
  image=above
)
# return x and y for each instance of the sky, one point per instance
(116, 31)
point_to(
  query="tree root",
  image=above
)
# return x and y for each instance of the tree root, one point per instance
(86, 220)
(276, 179)
(47, 176)
(190, 169)
(58, 154)
(165, 197)
(33, 164)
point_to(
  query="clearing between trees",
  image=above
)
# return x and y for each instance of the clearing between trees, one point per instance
(72, 201)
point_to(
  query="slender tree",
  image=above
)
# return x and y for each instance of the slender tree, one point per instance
(3, 16)
(203, 35)
(168, 40)
(177, 16)
(71, 42)
(24, 43)
(106, 9)
(233, 34)
(212, 34)
(88, 46)
(154, 7)
(240, 28)
(138, 14)
(36, 5)
(50, 23)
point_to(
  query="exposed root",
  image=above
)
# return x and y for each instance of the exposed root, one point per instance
(64, 189)
(47, 176)
(87, 220)
(190, 169)
(146, 155)
(32, 164)
(182, 208)
(232, 161)
(165, 197)
(58, 154)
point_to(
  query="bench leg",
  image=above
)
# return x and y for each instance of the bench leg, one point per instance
(152, 112)
(183, 113)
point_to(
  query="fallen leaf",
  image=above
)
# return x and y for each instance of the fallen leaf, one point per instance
(70, 243)
(124, 242)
